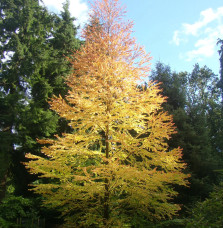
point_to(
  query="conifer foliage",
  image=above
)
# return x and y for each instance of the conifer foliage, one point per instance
(116, 165)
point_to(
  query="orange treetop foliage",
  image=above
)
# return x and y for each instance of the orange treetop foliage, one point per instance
(115, 167)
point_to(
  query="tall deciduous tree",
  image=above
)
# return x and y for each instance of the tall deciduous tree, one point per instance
(115, 168)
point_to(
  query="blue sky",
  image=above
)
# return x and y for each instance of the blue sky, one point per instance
(179, 33)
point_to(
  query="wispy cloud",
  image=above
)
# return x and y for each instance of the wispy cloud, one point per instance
(78, 9)
(206, 30)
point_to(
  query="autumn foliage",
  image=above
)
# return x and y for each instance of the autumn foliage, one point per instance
(115, 167)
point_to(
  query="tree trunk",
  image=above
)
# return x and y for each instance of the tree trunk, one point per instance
(106, 195)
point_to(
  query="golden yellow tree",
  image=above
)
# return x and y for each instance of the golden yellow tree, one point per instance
(116, 165)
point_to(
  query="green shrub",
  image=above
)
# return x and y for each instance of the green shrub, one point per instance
(209, 213)
(14, 208)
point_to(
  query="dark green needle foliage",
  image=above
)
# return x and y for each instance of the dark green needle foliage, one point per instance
(34, 46)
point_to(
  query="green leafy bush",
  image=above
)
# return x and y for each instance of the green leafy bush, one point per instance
(13, 208)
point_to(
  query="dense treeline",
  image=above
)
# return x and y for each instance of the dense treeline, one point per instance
(194, 102)
(34, 48)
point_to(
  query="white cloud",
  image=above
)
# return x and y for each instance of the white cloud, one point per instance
(205, 47)
(176, 38)
(78, 9)
(206, 17)
(206, 30)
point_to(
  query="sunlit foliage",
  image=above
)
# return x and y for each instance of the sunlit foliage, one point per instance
(115, 168)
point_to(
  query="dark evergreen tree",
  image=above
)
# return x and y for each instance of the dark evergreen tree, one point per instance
(203, 105)
(193, 100)
(15, 38)
(48, 80)
(172, 84)
(34, 46)
(209, 212)
(220, 42)
(218, 120)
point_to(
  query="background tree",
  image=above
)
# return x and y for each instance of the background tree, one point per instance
(193, 100)
(219, 116)
(203, 106)
(220, 42)
(209, 212)
(115, 168)
(33, 67)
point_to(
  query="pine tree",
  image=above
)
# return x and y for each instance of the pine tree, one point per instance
(115, 168)
(38, 43)
(220, 42)
(219, 116)
(15, 37)
(48, 79)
